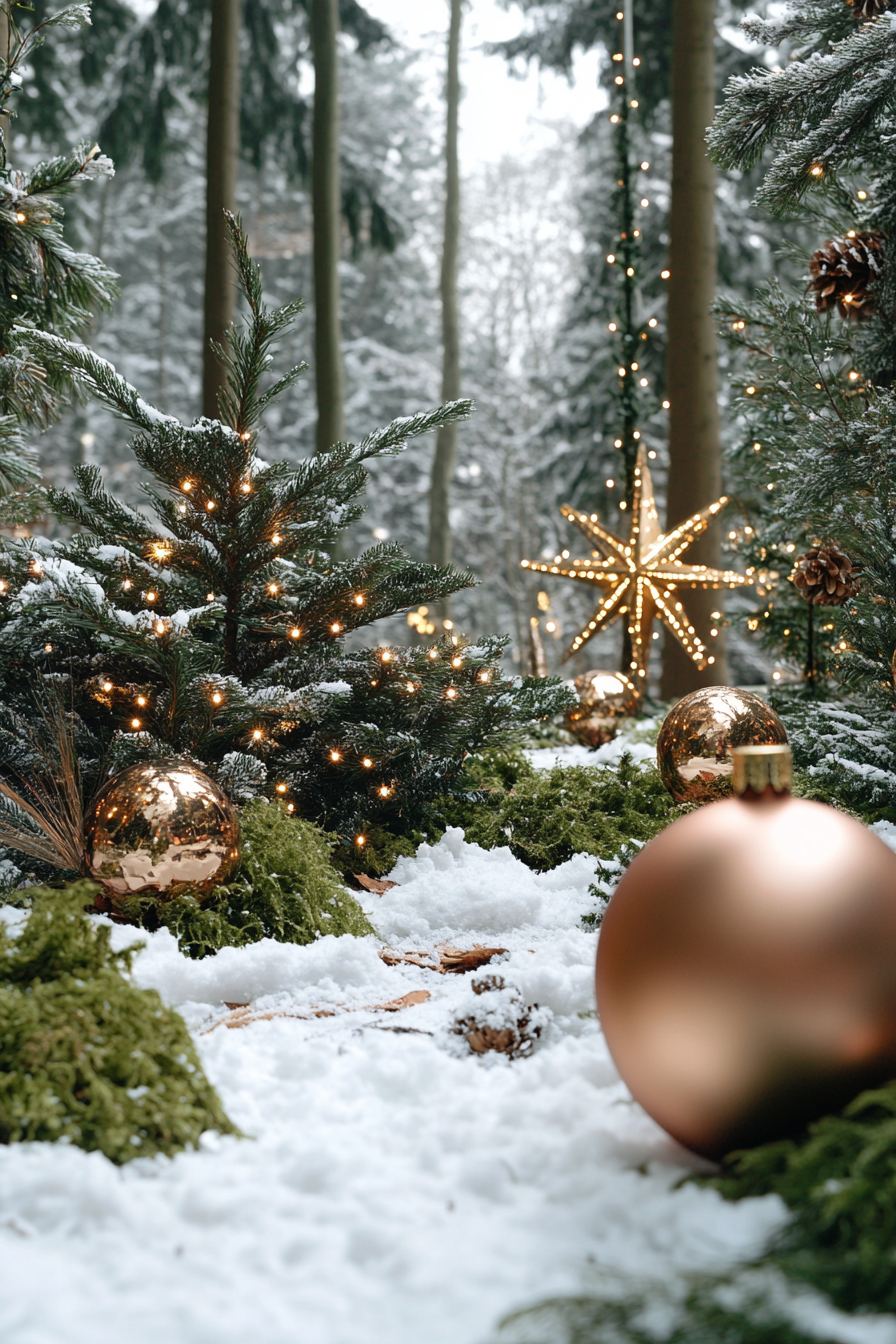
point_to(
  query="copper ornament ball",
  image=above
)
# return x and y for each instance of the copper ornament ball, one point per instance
(746, 967)
(604, 698)
(159, 824)
(692, 749)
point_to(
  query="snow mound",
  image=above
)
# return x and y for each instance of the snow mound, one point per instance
(455, 886)
(395, 1186)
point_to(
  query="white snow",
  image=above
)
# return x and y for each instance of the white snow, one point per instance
(886, 830)
(637, 737)
(395, 1188)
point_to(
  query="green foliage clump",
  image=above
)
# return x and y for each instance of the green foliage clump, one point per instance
(547, 816)
(840, 1182)
(286, 888)
(706, 1316)
(85, 1056)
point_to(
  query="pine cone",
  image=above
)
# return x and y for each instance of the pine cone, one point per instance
(843, 269)
(867, 9)
(825, 576)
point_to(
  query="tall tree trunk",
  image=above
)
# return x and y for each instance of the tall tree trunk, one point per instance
(330, 374)
(446, 438)
(222, 158)
(695, 470)
(5, 44)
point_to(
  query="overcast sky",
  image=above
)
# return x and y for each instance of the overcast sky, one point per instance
(500, 115)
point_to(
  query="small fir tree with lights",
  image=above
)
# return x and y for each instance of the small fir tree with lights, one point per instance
(213, 625)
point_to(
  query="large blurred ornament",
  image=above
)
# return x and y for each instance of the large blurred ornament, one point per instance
(604, 699)
(642, 575)
(159, 824)
(693, 748)
(746, 970)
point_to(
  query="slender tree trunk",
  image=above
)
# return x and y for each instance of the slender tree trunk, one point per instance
(446, 439)
(695, 471)
(223, 149)
(5, 130)
(330, 374)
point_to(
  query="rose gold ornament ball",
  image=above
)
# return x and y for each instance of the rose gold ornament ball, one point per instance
(605, 698)
(693, 748)
(746, 968)
(159, 824)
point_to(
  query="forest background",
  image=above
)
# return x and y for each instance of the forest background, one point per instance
(536, 290)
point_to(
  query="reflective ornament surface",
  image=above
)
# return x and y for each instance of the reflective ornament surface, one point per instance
(746, 968)
(604, 698)
(159, 824)
(692, 749)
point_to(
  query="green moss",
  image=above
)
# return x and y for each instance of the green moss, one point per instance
(286, 888)
(840, 1181)
(546, 816)
(85, 1056)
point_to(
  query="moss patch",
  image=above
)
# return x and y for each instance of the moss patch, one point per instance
(547, 816)
(85, 1056)
(286, 888)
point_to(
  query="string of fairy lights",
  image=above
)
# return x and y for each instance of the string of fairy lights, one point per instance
(625, 252)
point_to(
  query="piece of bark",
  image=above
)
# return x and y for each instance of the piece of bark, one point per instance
(378, 885)
(406, 1001)
(445, 960)
(241, 1014)
(454, 961)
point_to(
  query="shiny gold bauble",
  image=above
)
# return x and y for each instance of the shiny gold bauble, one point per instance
(746, 968)
(160, 824)
(604, 698)
(692, 749)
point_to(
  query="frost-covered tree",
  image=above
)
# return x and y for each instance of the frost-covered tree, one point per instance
(213, 624)
(818, 399)
(46, 284)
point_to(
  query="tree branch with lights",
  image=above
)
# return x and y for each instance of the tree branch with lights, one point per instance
(212, 623)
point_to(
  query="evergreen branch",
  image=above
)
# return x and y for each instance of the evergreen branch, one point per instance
(393, 438)
(100, 378)
(17, 465)
(847, 91)
(248, 357)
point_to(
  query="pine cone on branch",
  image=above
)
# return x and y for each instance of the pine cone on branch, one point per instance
(843, 269)
(825, 576)
(867, 9)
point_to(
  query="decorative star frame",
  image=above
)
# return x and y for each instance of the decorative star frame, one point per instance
(643, 574)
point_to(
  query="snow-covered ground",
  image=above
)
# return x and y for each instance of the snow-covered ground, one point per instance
(394, 1187)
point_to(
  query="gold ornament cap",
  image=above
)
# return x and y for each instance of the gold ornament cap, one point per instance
(757, 767)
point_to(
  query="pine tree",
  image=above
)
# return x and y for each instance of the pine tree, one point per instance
(46, 285)
(213, 624)
(818, 404)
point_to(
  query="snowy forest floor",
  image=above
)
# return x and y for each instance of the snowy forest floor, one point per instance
(393, 1187)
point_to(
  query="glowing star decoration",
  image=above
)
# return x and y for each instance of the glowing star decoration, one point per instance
(642, 574)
